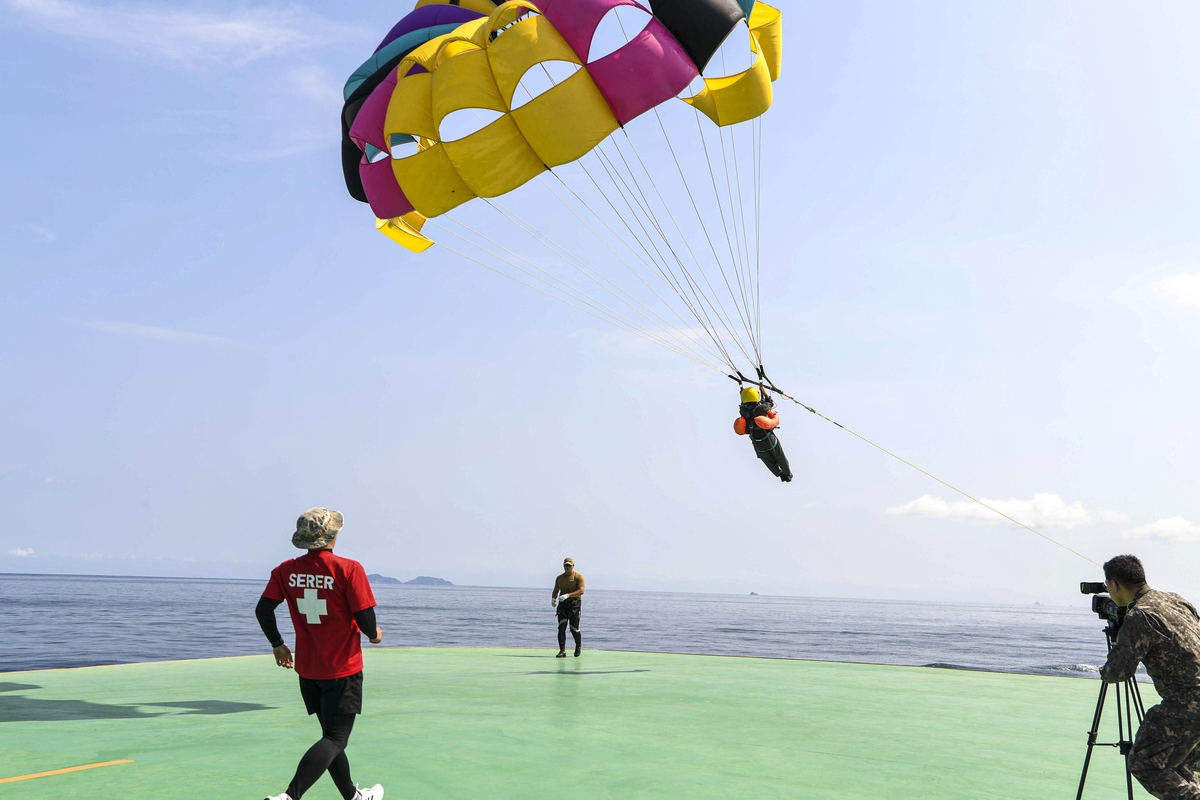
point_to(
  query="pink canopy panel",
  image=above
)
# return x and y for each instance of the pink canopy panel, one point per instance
(650, 69)
(386, 197)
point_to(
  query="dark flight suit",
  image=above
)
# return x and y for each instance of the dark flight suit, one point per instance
(766, 443)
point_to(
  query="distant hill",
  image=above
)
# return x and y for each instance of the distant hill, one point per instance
(423, 580)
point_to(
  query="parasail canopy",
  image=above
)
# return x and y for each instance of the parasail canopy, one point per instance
(474, 100)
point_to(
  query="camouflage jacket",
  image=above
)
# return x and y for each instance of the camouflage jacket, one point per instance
(1162, 631)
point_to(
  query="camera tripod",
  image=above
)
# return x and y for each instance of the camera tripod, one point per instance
(1127, 695)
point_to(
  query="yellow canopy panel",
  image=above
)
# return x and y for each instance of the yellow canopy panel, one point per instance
(406, 231)
(737, 98)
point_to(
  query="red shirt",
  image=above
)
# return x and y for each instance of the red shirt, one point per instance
(322, 592)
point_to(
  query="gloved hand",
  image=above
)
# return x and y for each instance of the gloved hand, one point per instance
(553, 602)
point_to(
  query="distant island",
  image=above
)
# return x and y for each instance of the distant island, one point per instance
(425, 580)
(422, 580)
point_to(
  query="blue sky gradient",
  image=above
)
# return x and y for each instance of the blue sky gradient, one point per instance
(980, 250)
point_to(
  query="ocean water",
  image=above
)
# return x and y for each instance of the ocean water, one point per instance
(72, 621)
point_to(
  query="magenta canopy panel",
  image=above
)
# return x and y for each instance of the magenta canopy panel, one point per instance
(650, 69)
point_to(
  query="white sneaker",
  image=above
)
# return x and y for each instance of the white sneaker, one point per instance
(283, 796)
(374, 793)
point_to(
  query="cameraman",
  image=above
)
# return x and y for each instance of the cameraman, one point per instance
(1162, 631)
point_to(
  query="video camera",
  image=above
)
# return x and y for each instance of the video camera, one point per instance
(1103, 605)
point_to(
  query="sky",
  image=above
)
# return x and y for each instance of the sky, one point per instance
(979, 250)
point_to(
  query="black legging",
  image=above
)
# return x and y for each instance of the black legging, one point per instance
(562, 636)
(568, 613)
(329, 753)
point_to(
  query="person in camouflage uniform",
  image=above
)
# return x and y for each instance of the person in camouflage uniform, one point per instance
(1162, 631)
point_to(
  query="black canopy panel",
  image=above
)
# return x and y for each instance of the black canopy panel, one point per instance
(351, 154)
(699, 25)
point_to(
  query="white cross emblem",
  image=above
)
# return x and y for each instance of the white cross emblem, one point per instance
(311, 606)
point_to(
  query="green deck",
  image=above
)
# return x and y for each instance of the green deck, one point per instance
(485, 723)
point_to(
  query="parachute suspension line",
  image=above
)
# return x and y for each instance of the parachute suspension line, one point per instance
(772, 387)
(610, 248)
(626, 298)
(595, 307)
(696, 301)
(753, 265)
(663, 269)
(691, 281)
(550, 280)
(642, 309)
(647, 259)
(711, 299)
(756, 140)
(489, 266)
(716, 193)
(624, 322)
(541, 291)
(695, 206)
(740, 264)
(753, 330)
(743, 316)
(723, 354)
(705, 302)
(751, 282)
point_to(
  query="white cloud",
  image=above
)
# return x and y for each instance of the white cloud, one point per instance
(21, 552)
(1172, 529)
(43, 234)
(1182, 290)
(185, 36)
(1045, 510)
(151, 332)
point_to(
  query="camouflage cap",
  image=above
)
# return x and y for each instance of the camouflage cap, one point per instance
(316, 528)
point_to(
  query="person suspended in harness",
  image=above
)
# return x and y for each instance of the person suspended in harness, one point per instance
(758, 420)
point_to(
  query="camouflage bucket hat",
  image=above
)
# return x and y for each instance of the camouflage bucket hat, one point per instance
(316, 528)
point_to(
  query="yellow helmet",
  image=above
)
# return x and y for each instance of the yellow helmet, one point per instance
(750, 395)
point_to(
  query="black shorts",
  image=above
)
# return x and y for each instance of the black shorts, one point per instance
(568, 610)
(338, 696)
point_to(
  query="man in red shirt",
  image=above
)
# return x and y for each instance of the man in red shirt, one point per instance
(331, 604)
